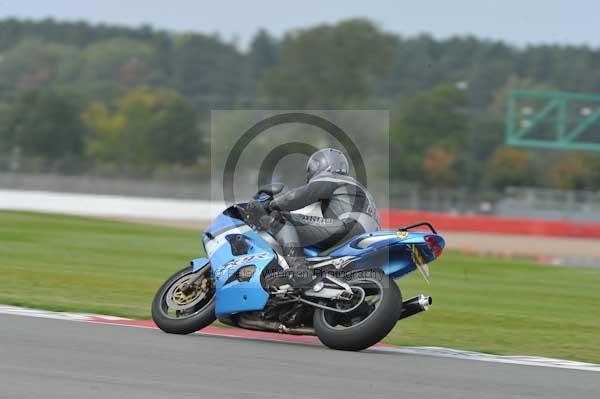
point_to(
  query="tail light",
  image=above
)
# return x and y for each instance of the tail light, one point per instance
(434, 245)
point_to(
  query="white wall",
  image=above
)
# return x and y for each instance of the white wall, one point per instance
(108, 205)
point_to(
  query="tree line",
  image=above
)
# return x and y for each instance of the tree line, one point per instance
(76, 97)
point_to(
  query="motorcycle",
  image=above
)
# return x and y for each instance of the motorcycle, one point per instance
(352, 304)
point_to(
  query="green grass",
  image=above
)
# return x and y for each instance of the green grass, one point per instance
(483, 304)
(79, 264)
(503, 307)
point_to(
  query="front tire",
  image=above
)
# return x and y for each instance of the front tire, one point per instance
(180, 309)
(348, 332)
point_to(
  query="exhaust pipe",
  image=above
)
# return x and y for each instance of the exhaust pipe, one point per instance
(415, 305)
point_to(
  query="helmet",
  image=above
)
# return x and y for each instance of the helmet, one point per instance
(326, 160)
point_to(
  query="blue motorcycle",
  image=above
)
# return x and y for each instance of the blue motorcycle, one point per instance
(352, 304)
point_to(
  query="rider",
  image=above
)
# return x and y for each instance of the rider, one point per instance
(346, 205)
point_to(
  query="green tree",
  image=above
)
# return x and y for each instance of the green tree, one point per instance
(330, 65)
(262, 56)
(510, 167)
(33, 64)
(148, 127)
(571, 172)
(126, 62)
(45, 124)
(439, 167)
(263, 53)
(207, 71)
(436, 118)
(173, 133)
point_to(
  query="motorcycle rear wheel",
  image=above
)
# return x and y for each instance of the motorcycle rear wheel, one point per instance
(367, 325)
(181, 309)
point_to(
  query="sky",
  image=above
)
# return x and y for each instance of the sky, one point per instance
(519, 22)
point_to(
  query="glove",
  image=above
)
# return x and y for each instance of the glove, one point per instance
(256, 210)
(259, 207)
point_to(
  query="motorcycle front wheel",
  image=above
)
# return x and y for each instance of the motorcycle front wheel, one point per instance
(185, 303)
(370, 322)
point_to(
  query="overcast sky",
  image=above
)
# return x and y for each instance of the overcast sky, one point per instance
(516, 21)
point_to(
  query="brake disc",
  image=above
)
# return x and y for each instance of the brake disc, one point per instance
(180, 298)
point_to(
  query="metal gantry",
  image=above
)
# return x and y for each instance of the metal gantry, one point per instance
(557, 120)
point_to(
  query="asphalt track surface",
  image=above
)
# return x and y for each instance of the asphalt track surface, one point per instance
(45, 358)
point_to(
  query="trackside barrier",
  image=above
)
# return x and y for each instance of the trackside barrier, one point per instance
(491, 224)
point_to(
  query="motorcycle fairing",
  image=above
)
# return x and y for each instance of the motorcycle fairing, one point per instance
(389, 250)
(233, 295)
(198, 263)
(222, 223)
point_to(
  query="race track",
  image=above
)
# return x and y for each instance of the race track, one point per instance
(46, 358)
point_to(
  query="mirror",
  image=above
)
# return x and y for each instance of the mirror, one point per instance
(271, 189)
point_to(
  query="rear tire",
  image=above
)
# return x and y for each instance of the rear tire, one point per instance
(199, 317)
(369, 331)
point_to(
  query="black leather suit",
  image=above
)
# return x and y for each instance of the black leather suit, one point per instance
(347, 207)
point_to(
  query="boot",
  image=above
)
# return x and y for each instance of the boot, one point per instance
(299, 274)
